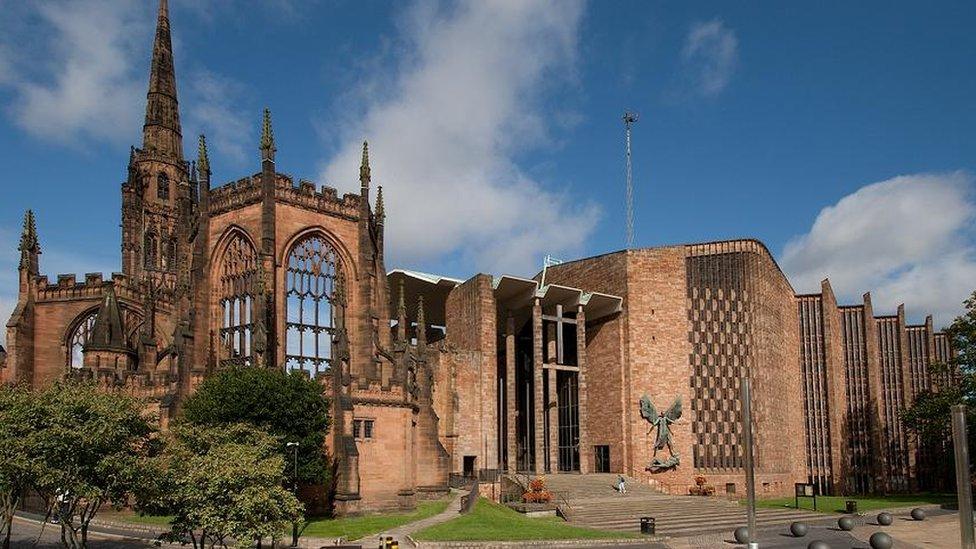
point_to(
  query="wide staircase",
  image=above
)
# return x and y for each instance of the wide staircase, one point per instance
(594, 502)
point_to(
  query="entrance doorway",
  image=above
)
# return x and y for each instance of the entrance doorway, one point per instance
(568, 391)
(601, 455)
(469, 466)
(525, 402)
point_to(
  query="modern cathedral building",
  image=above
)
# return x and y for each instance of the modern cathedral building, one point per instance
(431, 376)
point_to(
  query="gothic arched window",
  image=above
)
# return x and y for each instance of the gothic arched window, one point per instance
(310, 284)
(79, 338)
(150, 250)
(162, 186)
(169, 255)
(236, 289)
(80, 335)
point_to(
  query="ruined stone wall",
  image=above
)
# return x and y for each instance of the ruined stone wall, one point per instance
(432, 456)
(470, 345)
(385, 475)
(444, 398)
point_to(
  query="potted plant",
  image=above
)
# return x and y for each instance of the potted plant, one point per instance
(537, 492)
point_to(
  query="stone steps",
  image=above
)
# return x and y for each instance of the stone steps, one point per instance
(682, 519)
(595, 503)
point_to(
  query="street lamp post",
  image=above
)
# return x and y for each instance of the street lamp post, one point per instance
(748, 463)
(294, 487)
(963, 486)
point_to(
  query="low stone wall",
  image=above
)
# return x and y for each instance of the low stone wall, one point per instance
(490, 490)
(508, 544)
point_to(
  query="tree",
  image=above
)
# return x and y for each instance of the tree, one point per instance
(222, 484)
(89, 449)
(930, 415)
(289, 406)
(19, 418)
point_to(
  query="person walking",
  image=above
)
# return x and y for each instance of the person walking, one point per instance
(621, 484)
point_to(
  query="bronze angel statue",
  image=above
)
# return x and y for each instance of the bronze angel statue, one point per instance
(663, 423)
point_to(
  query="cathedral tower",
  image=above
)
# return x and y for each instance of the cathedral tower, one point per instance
(157, 196)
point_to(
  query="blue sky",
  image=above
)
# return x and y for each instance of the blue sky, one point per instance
(840, 134)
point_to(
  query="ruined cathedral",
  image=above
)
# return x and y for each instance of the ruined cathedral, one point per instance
(431, 376)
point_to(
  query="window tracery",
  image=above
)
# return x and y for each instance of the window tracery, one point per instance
(169, 256)
(311, 302)
(162, 186)
(81, 333)
(236, 287)
(79, 338)
(150, 250)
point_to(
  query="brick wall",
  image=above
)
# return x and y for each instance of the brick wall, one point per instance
(470, 346)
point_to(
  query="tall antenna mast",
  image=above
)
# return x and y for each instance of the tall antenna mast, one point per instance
(629, 119)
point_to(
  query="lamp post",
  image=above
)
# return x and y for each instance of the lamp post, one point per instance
(963, 487)
(747, 459)
(294, 487)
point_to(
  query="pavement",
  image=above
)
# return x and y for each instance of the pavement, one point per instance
(24, 533)
(940, 530)
(402, 533)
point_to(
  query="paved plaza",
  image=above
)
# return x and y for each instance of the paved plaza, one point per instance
(939, 531)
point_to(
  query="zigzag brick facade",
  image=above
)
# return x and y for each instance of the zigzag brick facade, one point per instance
(431, 376)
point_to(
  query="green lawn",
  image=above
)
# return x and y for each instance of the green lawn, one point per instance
(135, 518)
(493, 522)
(353, 528)
(837, 504)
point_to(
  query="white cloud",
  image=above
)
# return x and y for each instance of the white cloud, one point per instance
(710, 55)
(908, 239)
(213, 108)
(466, 99)
(73, 75)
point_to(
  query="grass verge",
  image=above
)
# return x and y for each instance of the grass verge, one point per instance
(838, 504)
(493, 522)
(135, 518)
(353, 528)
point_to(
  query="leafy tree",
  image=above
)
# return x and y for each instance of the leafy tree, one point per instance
(930, 415)
(289, 406)
(19, 418)
(222, 485)
(90, 449)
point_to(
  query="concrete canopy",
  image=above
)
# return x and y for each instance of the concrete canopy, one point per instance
(434, 288)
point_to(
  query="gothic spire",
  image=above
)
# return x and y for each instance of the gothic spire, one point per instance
(203, 161)
(29, 245)
(108, 332)
(380, 209)
(364, 167)
(161, 133)
(267, 137)
(401, 315)
(421, 325)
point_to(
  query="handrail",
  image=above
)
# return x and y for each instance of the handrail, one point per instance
(468, 500)
(523, 479)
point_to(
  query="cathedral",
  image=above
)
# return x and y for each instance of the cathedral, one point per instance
(431, 376)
